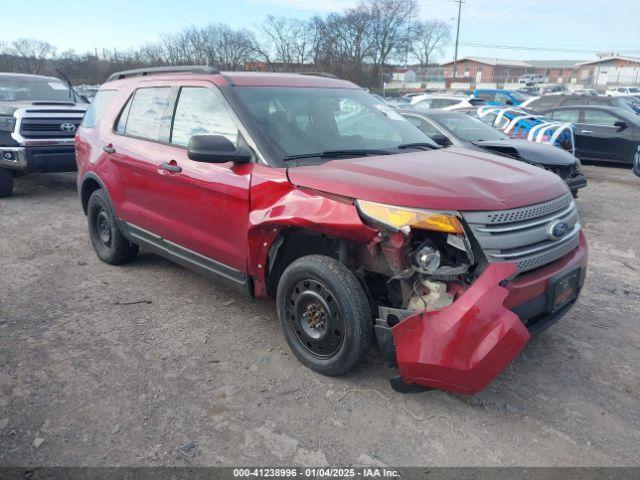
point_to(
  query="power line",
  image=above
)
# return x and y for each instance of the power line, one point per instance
(532, 48)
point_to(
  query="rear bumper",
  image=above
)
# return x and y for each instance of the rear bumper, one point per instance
(463, 347)
(42, 158)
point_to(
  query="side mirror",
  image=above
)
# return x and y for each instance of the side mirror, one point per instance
(441, 140)
(508, 102)
(216, 149)
(621, 125)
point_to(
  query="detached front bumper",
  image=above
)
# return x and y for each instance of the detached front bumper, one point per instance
(463, 347)
(39, 158)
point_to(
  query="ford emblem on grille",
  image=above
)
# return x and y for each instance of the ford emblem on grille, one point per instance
(67, 127)
(557, 230)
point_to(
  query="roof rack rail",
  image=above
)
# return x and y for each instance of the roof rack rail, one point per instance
(143, 72)
(318, 74)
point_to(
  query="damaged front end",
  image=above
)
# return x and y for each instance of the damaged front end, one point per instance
(441, 317)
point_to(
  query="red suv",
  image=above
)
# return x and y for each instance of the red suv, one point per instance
(310, 190)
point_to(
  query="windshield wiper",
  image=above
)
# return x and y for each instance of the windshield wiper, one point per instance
(338, 154)
(419, 145)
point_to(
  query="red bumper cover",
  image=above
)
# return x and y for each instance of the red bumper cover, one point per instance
(464, 346)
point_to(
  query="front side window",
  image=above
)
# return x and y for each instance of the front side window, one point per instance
(308, 121)
(147, 115)
(200, 111)
(599, 117)
(423, 125)
(97, 107)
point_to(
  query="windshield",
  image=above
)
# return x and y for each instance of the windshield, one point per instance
(25, 88)
(305, 121)
(467, 128)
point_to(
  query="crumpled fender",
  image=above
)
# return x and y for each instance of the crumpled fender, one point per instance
(462, 347)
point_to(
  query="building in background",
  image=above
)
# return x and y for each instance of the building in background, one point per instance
(483, 70)
(612, 69)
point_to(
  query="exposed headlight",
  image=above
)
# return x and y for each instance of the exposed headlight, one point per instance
(7, 124)
(401, 217)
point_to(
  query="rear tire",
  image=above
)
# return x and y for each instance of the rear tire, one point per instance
(574, 193)
(325, 314)
(6, 182)
(107, 239)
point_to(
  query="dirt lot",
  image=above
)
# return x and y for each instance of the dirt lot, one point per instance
(150, 364)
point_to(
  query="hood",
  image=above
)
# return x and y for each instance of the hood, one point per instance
(539, 153)
(8, 108)
(446, 179)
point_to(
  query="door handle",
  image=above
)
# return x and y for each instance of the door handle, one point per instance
(171, 167)
(109, 149)
(586, 131)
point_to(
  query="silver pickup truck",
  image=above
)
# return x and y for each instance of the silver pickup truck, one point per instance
(38, 120)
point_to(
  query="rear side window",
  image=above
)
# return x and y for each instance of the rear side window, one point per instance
(97, 108)
(201, 112)
(570, 116)
(147, 115)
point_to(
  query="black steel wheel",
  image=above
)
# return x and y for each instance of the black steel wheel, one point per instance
(325, 314)
(107, 239)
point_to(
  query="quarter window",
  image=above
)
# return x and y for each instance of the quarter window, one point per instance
(200, 111)
(147, 115)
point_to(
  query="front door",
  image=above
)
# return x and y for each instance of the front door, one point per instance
(599, 138)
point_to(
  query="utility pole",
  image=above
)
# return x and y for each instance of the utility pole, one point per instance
(455, 54)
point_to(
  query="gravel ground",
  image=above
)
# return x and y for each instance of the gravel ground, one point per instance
(150, 364)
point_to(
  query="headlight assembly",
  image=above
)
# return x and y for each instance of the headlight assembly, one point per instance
(7, 124)
(399, 218)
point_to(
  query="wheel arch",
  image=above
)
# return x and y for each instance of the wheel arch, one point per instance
(90, 183)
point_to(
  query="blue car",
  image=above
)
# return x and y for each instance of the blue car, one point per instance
(500, 97)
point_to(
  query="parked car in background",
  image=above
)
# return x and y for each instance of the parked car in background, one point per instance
(500, 97)
(532, 78)
(521, 123)
(307, 189)
(38, 120)
(445, 102)
(585, 91)
(455, 128)
(547, 102)
(553, 89)
(604, 134)
(622, 91)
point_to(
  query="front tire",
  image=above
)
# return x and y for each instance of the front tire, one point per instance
(6, 182)
(325, 314)
(107, 239)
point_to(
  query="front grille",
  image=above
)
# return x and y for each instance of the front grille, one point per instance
(521, 235)
(39, 127)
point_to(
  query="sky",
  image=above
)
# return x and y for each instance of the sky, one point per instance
(573, 29)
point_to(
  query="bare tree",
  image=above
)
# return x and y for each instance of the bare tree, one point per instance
(33, 53)
(390, 20)
(428, 39)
